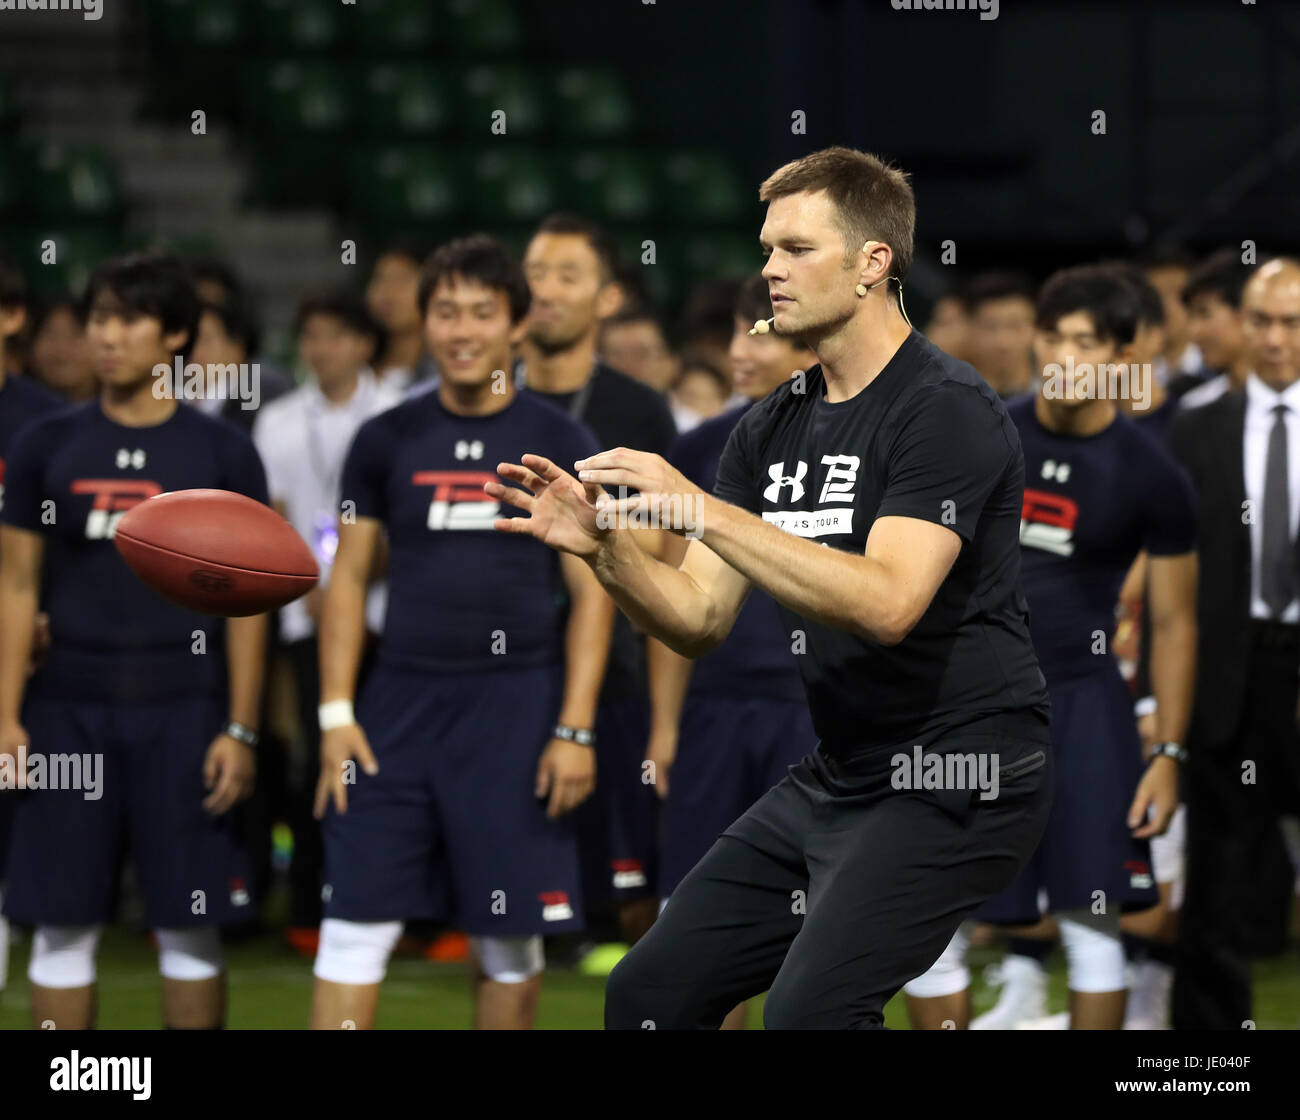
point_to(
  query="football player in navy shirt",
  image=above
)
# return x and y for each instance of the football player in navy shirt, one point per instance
(449, 792)
(20, 401)
(726, 728)
(1097, 492)
(570, 263)
(877, 499)
(155, 704)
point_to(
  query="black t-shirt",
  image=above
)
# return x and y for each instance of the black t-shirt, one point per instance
(622, 412)
(927, 439)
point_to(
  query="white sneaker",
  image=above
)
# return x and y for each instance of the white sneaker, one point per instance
(1059, 1022)
(1148, 997)
(1024, 994)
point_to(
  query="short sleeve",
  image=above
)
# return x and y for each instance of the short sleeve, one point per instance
(735, 481)
(24, 479)
(1171, 509)
(947, 458)
(365, 475)
(244, 472)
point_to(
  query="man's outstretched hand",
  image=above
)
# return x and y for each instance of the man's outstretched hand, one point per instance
(561, 510)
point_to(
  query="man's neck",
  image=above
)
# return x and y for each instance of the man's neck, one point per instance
(135, 406)
(474, 400)
(1238, 372)
(340, 391)
(403, 351)
(560, 371)
(1078, 421)
(853, 355)
(1279, 380)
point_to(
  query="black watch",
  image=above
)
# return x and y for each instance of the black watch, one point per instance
(1170, 750)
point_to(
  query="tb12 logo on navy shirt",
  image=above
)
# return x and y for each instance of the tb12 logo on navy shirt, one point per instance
(458, 501)
(1047, 519)
(114, 496)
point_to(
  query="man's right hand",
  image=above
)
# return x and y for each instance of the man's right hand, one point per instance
(339, 748)
(13, 736)
(561, 510)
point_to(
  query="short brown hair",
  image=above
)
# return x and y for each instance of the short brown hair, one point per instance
(873, 198)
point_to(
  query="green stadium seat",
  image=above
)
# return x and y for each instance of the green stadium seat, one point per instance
(592, 104)
(401, 26)
(71, 181)
(294, 97)
(412, 99)
(513, 186)
(199, 24)
(291, 26)
(714, 254)
(660, 281)
(612, 186)
(487, 27)
(516, 90)
(407, 185)
(703, 187)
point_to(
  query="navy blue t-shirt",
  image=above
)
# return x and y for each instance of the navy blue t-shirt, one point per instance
(457, 588)
(1092, 504)
(757, 658)
(21, 400)
(71, 476)
(926, 439)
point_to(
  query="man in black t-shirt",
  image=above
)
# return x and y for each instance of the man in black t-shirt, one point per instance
(571, 264)
(877, 500)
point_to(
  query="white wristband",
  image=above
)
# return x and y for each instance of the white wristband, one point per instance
(337, 713)
(1144, 707)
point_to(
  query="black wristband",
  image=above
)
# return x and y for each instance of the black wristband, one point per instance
(242, 734)
(577, 735)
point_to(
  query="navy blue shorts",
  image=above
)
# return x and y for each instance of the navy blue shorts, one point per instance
(1088, 846)
(66, 850)
(449, 828)
(730, 752)
(619, 822)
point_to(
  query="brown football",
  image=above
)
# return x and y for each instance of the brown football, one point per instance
(216, 552)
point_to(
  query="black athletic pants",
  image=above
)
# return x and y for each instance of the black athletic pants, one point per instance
(836, 888)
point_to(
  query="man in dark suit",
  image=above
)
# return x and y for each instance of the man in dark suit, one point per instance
(1243, 767)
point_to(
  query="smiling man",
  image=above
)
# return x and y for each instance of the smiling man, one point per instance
(877, 500)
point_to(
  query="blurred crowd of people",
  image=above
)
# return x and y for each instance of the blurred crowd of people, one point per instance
(360, 351)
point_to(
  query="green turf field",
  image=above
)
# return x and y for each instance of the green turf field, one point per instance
(270, 988)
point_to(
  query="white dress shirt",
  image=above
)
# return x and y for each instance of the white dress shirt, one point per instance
(1260, 401)
(303, 440)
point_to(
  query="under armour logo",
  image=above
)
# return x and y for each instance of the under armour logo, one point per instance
(776, 472)
(1060, 472)
(469, 449)
(127, 458)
